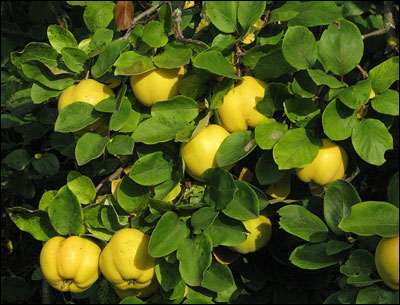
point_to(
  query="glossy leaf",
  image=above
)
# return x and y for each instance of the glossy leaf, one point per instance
(338, 120)
(89, 147)
(60, 38)
(81, 186)
(223, 15)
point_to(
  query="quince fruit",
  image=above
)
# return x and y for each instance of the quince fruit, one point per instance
(330, 164)
(387, 261)
(239, 111)
(70, 264)
(260, 230)
(89, 91)
(156, 85)
(125, 261)
(200, 152)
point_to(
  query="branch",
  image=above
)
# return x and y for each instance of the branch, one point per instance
(113, 176)
(141, 16)
(389, 22)
(364, 73)
(178, 28)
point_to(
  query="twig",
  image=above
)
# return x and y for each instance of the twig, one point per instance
(113, 176)
(376, 33)
(178, 28)
(364, 73)
(139, 17)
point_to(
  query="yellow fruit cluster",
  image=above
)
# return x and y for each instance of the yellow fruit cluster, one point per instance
(74, 263)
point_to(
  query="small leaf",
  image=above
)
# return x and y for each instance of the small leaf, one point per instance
(338, 120)
(269, 132)
(384, 75)
(357, 95)
(387, 103)
(47, 164)
(81, 186)
(313, 257)
(133, 63)
(218, 277)
(175, 55)
(89, 147)
(124, 14)
(18, 159)
(214, 62)
(132, 197)
(76, 116)
(98, 14)
(74, 58)
(321, 78)
(223, 15)
(154, 34)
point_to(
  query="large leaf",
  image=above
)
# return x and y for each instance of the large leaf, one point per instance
(108, 57)
(313, 13)
(341, 47)
(300, 222)
(371, 140)
(214, 62)
(60, 38)
(168, 234)
(90, 146)
(338, 120)
(295, 149)
(98, 14)
(223, 15)
(249, 12)
(299, 47)
(372, 217)
(132, 197)
(269, 132)
(313, 256)
(194, 257)
(154, 34)
(338, 200)
(384, 75)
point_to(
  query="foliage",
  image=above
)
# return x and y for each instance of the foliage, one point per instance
(320, 70)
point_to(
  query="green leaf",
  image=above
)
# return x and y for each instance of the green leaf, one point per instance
(371, 139)
(295, 149)
(203, 219)
(89, 147)
(154, 34)
(38, 72)
(194, 257)
(244, 205)
(300, 222)
(60, 38)
(214, 62)
(310, 13)
(303, 85)
(299, 47)
(47, 164)
(372, 217)
(219, 92)
(336, 246)
(75, 59)
(121, 116)
(313, 257)
(393, 189)
(108, 57)
(180, 106)
(18, 159)
(76, 116)
(121, 145)
(226, 231)
(223, 15)
(377, 295)
(169, 233)
(220, 189)
(338, 121)
(287, 11)
(301, 111)
(36, 223)
(40, 93)
(81, 186)
(167, 273)
(133, 63)
(65, 213)
(218, 277)
(387, 103)
(235, 147)
(152, 169)
(175, 55)
(132, 197)
(100, 39)
(357, 95)
(35, 51)
(321, 78)
(272, 65)
(267, 170)
(16, 289)
(98, 14)
(338, 200)
(361, 262)
(269, 132)
(384, 75)
(45, 200)
(341, 47)
(248, 12)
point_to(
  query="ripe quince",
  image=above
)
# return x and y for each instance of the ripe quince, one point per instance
(70, 264)
(330, 164)
(387, 261)
(200, 152)
(156, 85)
(238, 110)
(260, 230)
(88, 91)
(125, 261)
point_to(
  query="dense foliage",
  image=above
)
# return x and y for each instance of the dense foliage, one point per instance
(327, 69)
